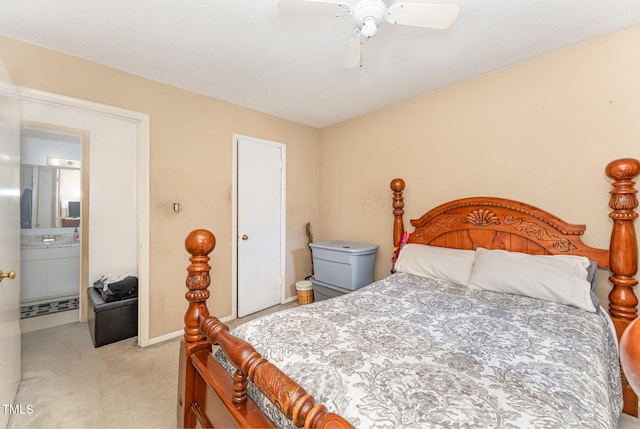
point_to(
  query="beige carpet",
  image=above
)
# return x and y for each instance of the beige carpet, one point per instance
(70, 384)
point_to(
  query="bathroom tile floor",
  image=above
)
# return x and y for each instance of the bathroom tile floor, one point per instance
(48, 308)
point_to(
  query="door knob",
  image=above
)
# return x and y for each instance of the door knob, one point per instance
(245, 237)
(11, 275)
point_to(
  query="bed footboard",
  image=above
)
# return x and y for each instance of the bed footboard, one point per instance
(207, 395)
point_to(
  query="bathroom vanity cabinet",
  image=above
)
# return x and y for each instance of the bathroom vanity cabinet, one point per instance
(49, 273)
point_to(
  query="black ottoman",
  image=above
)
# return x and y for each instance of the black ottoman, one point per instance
(111, 321)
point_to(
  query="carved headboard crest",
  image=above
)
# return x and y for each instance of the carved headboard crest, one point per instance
(498, 223)
(482, 217)
(484, 213)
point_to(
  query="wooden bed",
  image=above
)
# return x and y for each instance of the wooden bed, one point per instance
(209, 397)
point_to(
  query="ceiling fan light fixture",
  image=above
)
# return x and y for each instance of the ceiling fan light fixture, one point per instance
(367, 16)
(369, 28)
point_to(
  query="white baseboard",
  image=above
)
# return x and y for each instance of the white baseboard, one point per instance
(165, 337)
(48, 321)
(175, 334)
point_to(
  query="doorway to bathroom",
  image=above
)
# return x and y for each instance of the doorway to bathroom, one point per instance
(51, 184)
(114, 219)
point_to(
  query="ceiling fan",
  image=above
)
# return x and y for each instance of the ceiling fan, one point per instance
(368, 15)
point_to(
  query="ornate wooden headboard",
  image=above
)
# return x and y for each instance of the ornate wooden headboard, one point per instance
(497, 223)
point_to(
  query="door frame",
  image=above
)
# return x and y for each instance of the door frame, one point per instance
(142, 121)
(234, 219)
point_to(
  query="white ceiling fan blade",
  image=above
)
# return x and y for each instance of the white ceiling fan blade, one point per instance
(314, 7)
(438, 16)
(353, 58)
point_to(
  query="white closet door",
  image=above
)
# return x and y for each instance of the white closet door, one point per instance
(260, 195)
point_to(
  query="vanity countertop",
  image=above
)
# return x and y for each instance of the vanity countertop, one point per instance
(46, 241)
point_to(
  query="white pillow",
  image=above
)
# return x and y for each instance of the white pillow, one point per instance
(453, 265)
(557, 278)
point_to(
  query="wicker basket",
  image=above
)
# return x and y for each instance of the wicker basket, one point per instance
(305, 292)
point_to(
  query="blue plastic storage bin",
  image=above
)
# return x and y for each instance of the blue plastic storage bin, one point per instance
(345, 264)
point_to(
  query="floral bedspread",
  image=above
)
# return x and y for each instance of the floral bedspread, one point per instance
(412, 352)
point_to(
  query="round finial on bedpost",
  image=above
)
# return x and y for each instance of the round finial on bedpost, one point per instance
(397, 186)
(623, 169)
(630, 354)
(199, 244)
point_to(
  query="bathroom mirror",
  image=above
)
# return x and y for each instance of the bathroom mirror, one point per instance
(50, 179)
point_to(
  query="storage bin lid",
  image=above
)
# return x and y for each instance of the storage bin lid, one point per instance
(352, 247)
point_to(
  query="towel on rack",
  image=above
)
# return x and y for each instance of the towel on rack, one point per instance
(25, 208)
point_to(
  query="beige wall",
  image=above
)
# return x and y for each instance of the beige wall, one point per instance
(190, 162)
(541, 132)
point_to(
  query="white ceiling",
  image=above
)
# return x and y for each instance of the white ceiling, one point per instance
(244, 52)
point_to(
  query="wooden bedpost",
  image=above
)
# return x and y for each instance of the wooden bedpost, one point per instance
(199, 244)
(623, 256)
(397, 186)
